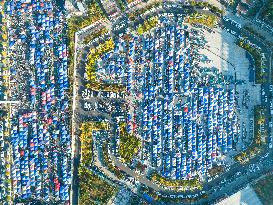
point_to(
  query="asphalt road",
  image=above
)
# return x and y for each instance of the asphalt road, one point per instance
(215, 189)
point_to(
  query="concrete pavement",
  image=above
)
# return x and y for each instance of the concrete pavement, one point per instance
(130, 172)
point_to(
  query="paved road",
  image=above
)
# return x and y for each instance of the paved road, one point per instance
(142, 179)
(77, 83)
(214, 188)
(239, 181)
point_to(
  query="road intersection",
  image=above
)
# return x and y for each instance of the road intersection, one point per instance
(227, 183)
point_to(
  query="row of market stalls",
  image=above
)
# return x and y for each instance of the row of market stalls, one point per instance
(4, 161)
(186, 125)
(40, 138)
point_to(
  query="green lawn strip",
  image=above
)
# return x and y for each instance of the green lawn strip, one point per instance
(147, 25)
(256, 146)
(5, 166)
(91, 68)
(208, 20)
(190, 184)
(129, 144)
(76, 23)
(255, 53)
(93, 189)
(86, 135)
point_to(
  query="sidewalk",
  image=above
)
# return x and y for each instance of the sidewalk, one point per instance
(245, 196)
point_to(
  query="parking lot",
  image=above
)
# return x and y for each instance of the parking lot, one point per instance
(223, 53)
(247, 96)
(147, 102)
(39, 137)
